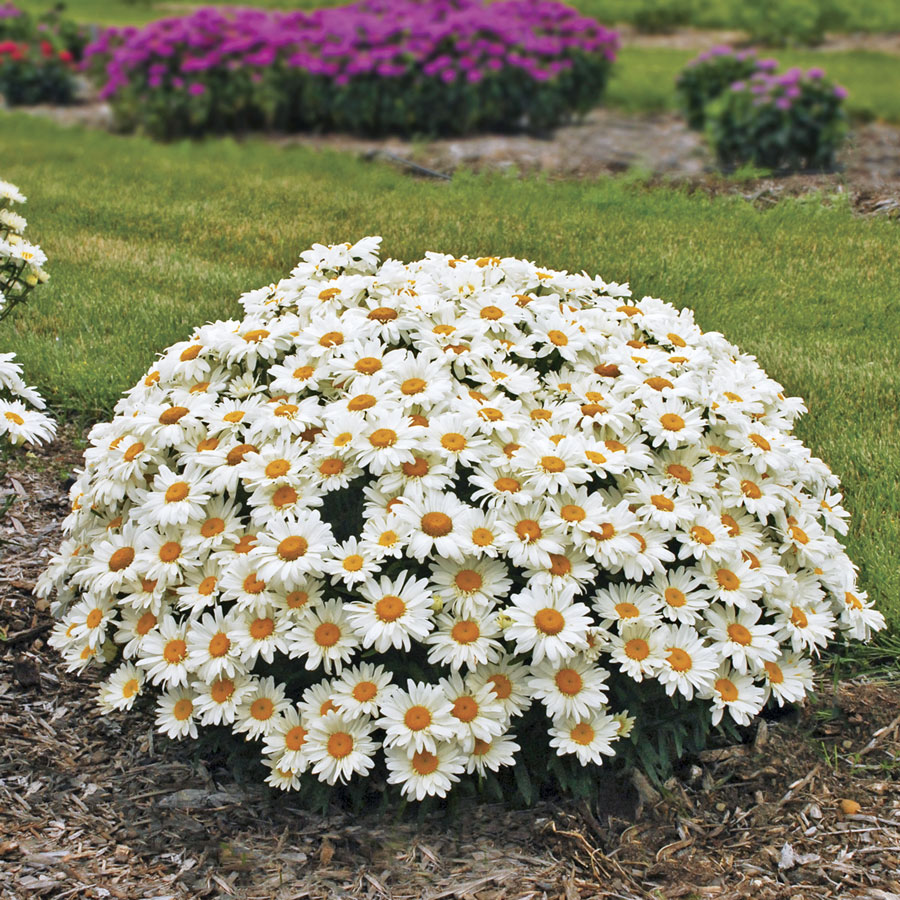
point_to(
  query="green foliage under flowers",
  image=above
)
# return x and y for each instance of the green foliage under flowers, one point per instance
(35, 72)
(667, 730)
(289, 101)
(792, 121)
(704, 79)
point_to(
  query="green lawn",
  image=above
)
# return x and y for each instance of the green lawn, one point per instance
(643, 80)
(854, 15)
(146, 241)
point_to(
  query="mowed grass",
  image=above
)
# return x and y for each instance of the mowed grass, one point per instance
(147, 241)
(643, 79)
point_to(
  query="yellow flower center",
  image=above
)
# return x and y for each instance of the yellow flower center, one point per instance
(183, 710)
(222, 690)
(417, 718)
(637, 649)
(177, 491)
(219, 644)
(424, 763)
(679, 659)
(465, 709)
(465, 632)
(295, 738)
(292, 548)
(437, 524)
(569, 682)
(549, 621)
(582, 734)
(327, 634)
(671, 421)
(364, 691)
(390, 608)
(121, 559)
(175, 651)
(727, 690)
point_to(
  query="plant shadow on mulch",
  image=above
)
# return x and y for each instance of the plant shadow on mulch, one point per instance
(98, 806)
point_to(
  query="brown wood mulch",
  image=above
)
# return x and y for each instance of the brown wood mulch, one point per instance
(98, 806)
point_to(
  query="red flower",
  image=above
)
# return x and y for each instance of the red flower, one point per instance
(46, 49)
(65, 56)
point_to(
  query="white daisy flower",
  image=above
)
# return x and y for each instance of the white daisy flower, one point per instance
(324, 636)
(291, 551)
(338, 747)
(788, 679)
(551, 627)
(626, 604)
(589, 737)
(217, 701)
(679, 595)
(258, 715)
(425, 773)
(508, 681)
(638, 650)
(164, 653)
(392, 612)
(286, 742)
(121, 689)
(470, 584)
(418, 718)
(736, 692)
(469, 641)
(688, 665)
(671, 422)
(212, 650)
(174, 499)
(260, 632)
(492, 755)
(568, 689)
(361, 688)
(351, 563)
(478, 712)
(175, 713)
(437, 524)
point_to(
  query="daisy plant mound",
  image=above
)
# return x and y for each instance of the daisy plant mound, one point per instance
(428, 521)
(20, 272)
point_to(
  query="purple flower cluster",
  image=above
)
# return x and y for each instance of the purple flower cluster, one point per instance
(786, 89)
(8, 11)
(447, 40)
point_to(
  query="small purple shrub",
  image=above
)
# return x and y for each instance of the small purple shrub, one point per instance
(709, 74)
(793, 120)
(371, 67)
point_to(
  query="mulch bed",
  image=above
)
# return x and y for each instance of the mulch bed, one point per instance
(98, 806)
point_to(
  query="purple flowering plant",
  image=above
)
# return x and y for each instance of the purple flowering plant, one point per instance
(370, 67)
(706, 76)
(792, 120)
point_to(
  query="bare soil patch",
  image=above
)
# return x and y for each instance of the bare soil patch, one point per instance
(98, 806)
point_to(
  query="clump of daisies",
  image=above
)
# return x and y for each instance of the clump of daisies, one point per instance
(425, 520)
(20, 271)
